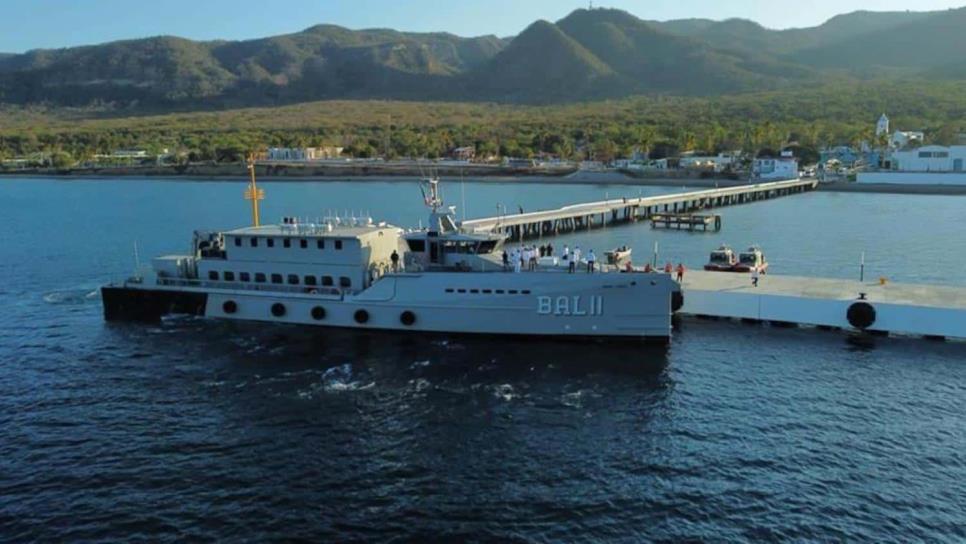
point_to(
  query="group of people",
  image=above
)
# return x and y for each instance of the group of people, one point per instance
(522, 257)
(526, 257)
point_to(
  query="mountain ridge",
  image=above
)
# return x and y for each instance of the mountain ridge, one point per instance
(587, 55)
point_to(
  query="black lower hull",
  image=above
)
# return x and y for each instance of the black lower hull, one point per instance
(146, 305)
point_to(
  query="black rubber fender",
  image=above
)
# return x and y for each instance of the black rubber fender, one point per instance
(361, 317)
(677, 301)
(861, 315)
(407, 318)
(229, 307)
(318, 313)
(278, 309)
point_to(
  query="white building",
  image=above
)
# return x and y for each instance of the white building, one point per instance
(717, 164)
(303, 153)
(772, 169)
(902, 138)
(882, 127)
(930, 158)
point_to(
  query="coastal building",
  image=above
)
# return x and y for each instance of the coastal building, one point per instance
(903, 138)
(299, 154)
(775, 168)
(465, 153)
(927, 165)
(717, 164)
(930, 158)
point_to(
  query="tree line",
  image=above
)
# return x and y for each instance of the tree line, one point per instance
(808, 119)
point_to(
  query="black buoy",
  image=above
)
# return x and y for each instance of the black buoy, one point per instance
(229, 307)
(318, 313)
(407, 318)
(278, 309)
(361, 316)
(861, 315)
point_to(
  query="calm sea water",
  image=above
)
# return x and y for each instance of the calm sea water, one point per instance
(196, 430)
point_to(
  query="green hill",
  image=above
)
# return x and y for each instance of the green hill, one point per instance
(922, 44)
(541, 64)
(590, 54)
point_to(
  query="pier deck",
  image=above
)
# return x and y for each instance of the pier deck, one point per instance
(924, 310)
(591, 215)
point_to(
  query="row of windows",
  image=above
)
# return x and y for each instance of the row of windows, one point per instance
(490, 291)
(286, 242)
(934, 154)
(278, 279)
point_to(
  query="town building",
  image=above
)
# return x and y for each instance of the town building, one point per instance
(298, 154)
(465, 153)
(930, 158)
(717, 164)
(903, 138)
(772, 168)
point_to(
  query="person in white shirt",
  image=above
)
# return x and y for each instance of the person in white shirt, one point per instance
(591, 261)
(517, 263)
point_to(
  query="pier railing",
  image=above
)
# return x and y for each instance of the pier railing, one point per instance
(590, 215)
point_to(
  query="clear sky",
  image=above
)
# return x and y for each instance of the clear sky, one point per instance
(30, 24)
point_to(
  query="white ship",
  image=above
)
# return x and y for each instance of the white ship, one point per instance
(357, 273)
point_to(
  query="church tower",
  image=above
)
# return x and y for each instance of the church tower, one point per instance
(882, 127)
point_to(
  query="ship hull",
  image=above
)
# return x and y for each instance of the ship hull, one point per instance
(630, 306)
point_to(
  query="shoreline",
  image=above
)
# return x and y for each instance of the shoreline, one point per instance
(575, 178)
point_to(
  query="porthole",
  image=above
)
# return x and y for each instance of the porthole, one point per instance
(229, 307)
(278, 309)
(407, 318)
(318, 313)
(361, 316)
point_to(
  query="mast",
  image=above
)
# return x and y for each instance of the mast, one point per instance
(253, 193)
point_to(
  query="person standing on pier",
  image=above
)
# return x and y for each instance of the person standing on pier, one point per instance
(591, 261)
(533, 258)
(576, 259)
(395, 261)
(755, 276)
(506, 261)
(549, 249)
(680, 272)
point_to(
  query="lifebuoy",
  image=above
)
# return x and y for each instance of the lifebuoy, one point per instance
(278, 309)
(229, 307)
(407, 318)
(677, 301)
(861, 315)
(318, 313)
(361, 316)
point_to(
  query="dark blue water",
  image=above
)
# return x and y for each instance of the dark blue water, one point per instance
(196, 430)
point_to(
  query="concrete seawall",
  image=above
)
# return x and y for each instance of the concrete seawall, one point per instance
(905, 309)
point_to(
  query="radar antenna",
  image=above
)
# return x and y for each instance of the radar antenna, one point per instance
(429, 186)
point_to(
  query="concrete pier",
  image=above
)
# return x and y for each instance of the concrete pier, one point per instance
(592, 215)
(930, 311)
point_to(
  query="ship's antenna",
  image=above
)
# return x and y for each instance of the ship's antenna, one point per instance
(137, 261)
(253, 193)
(462, 195)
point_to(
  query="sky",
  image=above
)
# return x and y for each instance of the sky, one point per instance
(32, 24)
